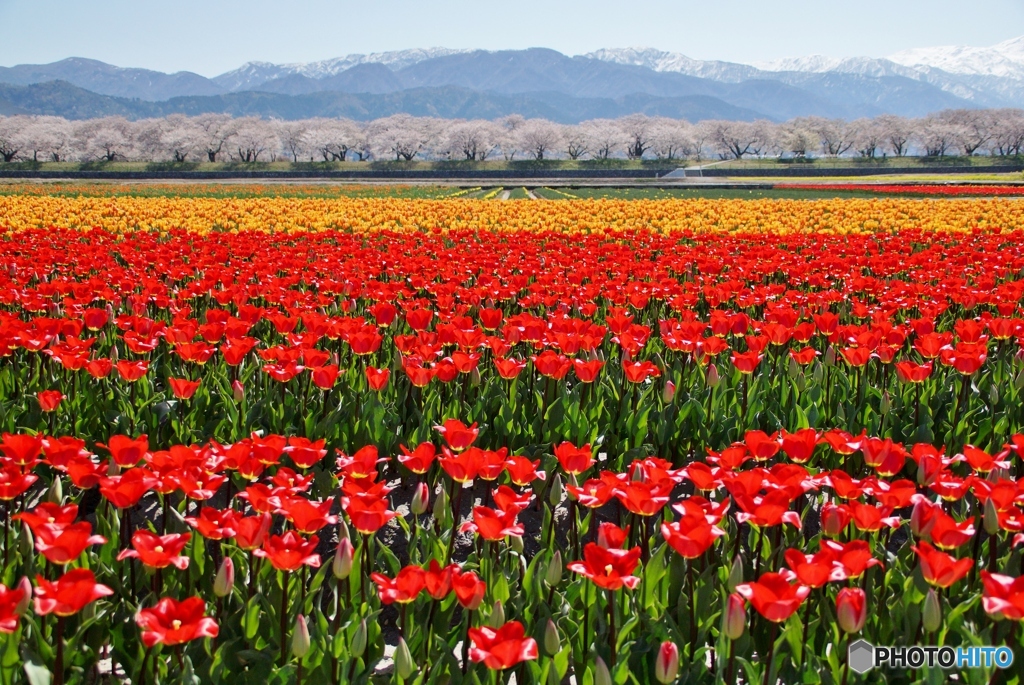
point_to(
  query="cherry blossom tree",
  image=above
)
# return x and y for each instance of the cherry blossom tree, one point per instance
(539, 137)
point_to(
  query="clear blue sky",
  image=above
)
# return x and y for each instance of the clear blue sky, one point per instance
(213, 36)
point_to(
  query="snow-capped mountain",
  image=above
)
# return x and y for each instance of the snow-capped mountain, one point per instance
(990, 77)
(659, 60)
(1004, 60)
(252, 74)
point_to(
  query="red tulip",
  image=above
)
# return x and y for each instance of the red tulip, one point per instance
(174, 623)
(308, 517)
(773, 596)
(49, 400)
(834, 519)
(403, 588)
(183, 388)
(852, 559)
(574, 460)
(11, 600)
(64, 545)
(21, 449)
(158, 551)
(469, 589)
(691, 536)
(458, 435)
(938, 568)
(68, 594)
(214, 524)
(289, 552)
(493, 525)
(812, 570)
(508, 368)
(126, 452)
(250, 531)
(746, 362)
(369, 514)
(851, 609)
(377, 378)
(324, 377)
(420, 459)
(1003, 596)
(666, 668)
(502, 648)
(126, 490)
(305, 453)
(608, 568)
(638, 372)
(437, 581)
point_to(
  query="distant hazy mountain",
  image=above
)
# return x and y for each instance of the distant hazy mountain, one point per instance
(604, 83)
(110, 80)
(64, 99)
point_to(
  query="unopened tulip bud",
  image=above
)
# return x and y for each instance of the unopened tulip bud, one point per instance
(794, 369)
(474, 376)
(734, 622)
(343, 533)
(830, 356)
(225, 580)
(818, 374)
(553, 576)
(601, 674)
(55, 495)
(26, 541)
(735, 573)
(851, 609)
(420, 499)
(441, 506)
(515, 543)
(552, 640)
(341, 566)
(834, 519)
(668, 393)
(238, 390)
(300, 637)
(404, 665)
(666, 668)
(886, 402)
(921, 519)
(931, 615)
(358, 645)
(991, 517)
(713, 378)
(25, 585)
(555, 496)
(497, 617)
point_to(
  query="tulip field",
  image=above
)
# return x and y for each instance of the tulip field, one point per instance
(340, 439)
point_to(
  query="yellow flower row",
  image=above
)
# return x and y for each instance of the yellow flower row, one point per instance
(19, 212)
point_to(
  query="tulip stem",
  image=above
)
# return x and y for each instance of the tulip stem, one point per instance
(771, 653)
(456, 517)
(284, 615)
(612, 636)
(465, 642)
(732, 662)
(58, 661)
(846, 663)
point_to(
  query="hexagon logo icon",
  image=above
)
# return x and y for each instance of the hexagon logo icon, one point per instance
(861, 656)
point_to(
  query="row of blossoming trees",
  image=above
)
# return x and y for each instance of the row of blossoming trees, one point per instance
(619, 457)
(214, 137)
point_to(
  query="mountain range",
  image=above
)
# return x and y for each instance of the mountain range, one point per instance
(535, 82)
